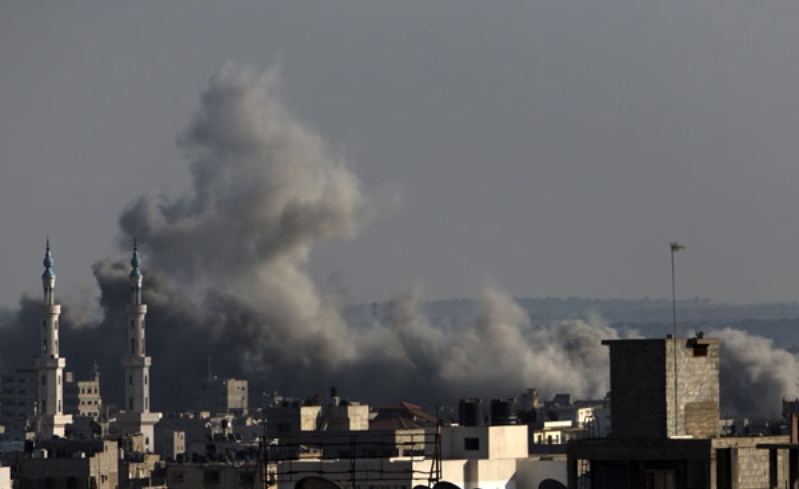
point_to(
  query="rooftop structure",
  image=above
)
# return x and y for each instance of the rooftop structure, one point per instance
(665, 425)
(652, 400)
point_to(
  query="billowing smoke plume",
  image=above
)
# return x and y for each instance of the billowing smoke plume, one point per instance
(227, 284)
(266, 190)
(501, 352)
(231, 279)
(755, 375)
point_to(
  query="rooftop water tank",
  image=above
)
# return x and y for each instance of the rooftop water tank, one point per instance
(470, 412)
(503, 412)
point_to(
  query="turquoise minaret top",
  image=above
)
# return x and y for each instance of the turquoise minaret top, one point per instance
(48, 277)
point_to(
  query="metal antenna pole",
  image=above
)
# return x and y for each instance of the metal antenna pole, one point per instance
(675, 247)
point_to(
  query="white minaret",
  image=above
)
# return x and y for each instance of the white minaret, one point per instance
(136, 417)
(51, 419)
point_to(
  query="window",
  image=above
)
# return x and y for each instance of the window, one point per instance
(211, 475)
(130, 380)
(132, 346)
(44, 380)
(471, 443)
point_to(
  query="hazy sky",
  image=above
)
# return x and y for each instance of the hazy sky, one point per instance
(554, 147)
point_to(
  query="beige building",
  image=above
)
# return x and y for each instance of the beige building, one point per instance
(82, 397)
(225, 396)
(5, 477)
(343, 417)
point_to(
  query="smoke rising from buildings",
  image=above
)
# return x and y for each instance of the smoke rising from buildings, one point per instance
(227, 280)
(755, 375)
(234, 255)
(500, 352)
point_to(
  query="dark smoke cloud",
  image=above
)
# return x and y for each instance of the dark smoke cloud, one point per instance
(226, 279)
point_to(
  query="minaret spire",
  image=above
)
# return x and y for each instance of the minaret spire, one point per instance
(48, 277)
(49, 365)
(137, 417)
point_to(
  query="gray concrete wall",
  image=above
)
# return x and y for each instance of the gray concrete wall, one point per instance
(647, 403)
(638, 388)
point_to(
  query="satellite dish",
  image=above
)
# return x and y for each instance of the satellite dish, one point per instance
(420, 487)
(551, 484)
(445, 485)
(314, 482)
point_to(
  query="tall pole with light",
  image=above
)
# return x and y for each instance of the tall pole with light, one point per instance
(675, 247)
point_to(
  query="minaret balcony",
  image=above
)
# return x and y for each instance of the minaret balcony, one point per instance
(132, 361)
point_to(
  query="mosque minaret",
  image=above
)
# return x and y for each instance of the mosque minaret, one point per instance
(136, 417)
(51, 420)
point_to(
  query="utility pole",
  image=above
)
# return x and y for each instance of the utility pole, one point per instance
(675, 247)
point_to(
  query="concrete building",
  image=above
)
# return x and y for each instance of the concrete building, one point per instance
(82, 397)
(344, 416)
(213, 475)
(67, 464)
(137, 417)
(653, 400)
(558, 432)
(5, 478)
(665, 425)
(50, 420)
(18, 394)
(225, 396)
(486, 457)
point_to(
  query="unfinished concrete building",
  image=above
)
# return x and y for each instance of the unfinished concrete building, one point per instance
(666, 433)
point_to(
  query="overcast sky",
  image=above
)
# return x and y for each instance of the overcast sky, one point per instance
(554, 147)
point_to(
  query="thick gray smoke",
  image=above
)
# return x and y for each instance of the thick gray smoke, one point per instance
(232, 281)
(226, 279)
(266, 190)
(500, 352)
(755, 375)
